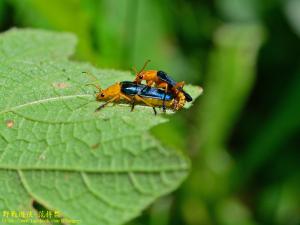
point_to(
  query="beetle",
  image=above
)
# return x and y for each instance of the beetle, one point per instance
(161, 79)
(133, 92)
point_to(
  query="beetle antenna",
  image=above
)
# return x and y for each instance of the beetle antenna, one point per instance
(134, 70)
(146, 63)
(95, 85)
(92, 77)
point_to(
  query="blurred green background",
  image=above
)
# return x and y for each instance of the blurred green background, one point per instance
(242, 135)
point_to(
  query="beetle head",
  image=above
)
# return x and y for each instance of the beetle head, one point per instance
(109, 92)
(140, 75)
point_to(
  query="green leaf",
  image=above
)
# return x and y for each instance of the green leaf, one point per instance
(272, 136)
(98, 168)
(39, 14)
(240, 11)
(292, 9)
(230, 79)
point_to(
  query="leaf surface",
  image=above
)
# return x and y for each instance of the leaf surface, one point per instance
(97, 168)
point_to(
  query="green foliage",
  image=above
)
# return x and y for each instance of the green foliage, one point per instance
(231, 76)
(230, 80)
(242, 134)
(284, 122)
(127, 41)
(99, 167)
(292, 9)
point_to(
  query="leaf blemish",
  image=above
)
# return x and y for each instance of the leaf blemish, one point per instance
(42, 157)
(61, 85)
(10, 123)
(66, 176)
(95, 146)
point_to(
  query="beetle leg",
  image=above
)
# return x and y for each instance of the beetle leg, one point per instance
(105, 104)
(164, 86)
(125, 97)
(150, 83)
(131, 100)
(139, 98)
(164, 103)
(146, 87)
(132, 105)
(155, 113)
(175, 107)
(179, 85)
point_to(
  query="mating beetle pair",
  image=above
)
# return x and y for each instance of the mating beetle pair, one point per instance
(132, 92)
(166, 93)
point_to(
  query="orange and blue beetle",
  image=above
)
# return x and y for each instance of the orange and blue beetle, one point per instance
(133, 92)
(161, 80)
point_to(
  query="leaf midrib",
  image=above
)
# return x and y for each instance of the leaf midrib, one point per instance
(11, 109)
(106, 171)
